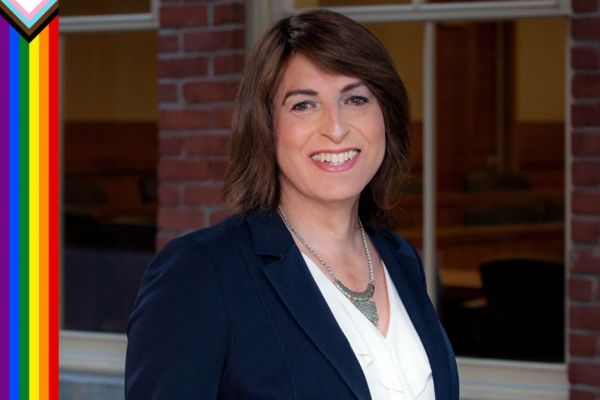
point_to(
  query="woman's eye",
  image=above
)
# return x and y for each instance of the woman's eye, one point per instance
(302, 106)
(357, 100)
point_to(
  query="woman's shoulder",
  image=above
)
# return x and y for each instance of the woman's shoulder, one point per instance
(222, 236)
(401, 245)
(194, 252)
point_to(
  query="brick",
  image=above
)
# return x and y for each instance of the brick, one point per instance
(218, 168)
(221, 117)
(167, 43)
(182, 170)
(167, 92)
(585, 28)
(170, 146)
(585, 114)
(586, 260)
(180, 219)
(228, 64)
(214, 145)
(581, 394)
(195, 195)
(586, 173)
(183, 119)
(585, 231)
(180, 15)
(183, 67)
(233, 13)
(585, 345)
(584, 57)
(581, 6)
(213, 40)
(168, 194)
(217, 216)
(585, 317)
(581, 289)
(586, 144)
(586, 85)
(584, 373)
(209, 91)
(586, 203)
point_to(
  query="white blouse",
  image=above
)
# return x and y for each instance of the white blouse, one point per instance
(396, 366)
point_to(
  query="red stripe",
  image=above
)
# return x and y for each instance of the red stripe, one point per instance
(54, 210)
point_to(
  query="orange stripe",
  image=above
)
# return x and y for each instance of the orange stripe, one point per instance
(44, 197)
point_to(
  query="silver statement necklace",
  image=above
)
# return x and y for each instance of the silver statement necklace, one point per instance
(361, 300)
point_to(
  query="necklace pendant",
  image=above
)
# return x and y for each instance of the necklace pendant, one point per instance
(368, 308)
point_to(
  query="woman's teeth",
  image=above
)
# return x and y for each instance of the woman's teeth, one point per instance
(335, 158)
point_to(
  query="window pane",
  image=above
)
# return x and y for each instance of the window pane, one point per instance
(103, 7)
(109, 166)
(404, 41)
(500, 204)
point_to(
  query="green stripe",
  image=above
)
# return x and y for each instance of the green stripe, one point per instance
(24, 217)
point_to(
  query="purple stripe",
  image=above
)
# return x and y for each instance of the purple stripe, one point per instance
(4, 208)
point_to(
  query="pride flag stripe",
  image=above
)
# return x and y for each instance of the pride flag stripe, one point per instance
(24, 216)
(30, 192)
(54, 211)
(14, 212)
(4, 200)
(44, 229)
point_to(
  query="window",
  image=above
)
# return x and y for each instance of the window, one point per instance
(487, 89)
(110, 156)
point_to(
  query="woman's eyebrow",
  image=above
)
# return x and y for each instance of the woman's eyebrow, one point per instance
(307, 92)
(351, 86)
(311, 92)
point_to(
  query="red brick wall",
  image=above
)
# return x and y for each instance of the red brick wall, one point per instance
(200, 58)
(584, 281)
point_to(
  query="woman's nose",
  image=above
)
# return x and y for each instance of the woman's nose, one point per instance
(333, 124)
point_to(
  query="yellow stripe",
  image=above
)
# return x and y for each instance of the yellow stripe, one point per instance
(34, 219)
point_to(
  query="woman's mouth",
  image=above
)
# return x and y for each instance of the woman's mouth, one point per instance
(335, 159)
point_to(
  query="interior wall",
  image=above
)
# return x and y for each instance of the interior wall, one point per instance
(110, 77)
(540, 70)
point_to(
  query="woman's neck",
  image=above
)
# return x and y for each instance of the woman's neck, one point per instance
(332, 224)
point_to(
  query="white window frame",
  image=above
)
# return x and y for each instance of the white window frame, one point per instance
(479, 378)
(104, 353)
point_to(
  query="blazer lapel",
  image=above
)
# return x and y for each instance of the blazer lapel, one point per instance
(295, 286)
(404, 269)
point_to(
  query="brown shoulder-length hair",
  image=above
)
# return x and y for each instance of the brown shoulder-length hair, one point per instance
(338, 45)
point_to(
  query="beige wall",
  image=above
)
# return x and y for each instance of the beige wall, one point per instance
(110, 77)
(540, 70)
(404, 41)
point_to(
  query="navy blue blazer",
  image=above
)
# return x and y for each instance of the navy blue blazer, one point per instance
(232, 312)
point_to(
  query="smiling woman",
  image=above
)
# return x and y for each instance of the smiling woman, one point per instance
(302, 293)
(331, 122)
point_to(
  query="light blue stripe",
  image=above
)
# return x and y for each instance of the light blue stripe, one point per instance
(14, 214)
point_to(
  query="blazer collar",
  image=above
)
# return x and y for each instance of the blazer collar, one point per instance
(405, 269)
(288, 274)
(284, 267)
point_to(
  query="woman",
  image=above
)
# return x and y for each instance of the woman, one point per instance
(303, 293)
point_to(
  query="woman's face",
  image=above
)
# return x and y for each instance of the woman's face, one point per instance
(330, 134)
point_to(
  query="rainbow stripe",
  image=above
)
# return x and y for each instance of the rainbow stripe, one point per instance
(30, 192)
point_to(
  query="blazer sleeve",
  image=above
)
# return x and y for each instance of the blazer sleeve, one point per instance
(177, 333)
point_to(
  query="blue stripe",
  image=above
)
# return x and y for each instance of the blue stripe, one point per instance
(14, 214)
